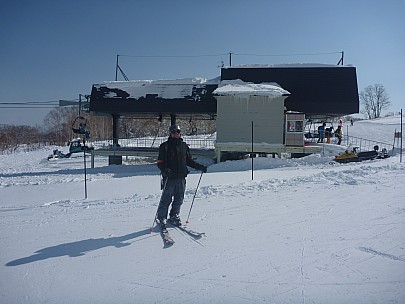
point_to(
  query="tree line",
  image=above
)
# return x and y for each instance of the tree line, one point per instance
(59, 122)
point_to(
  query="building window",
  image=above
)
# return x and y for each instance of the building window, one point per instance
(295, 126)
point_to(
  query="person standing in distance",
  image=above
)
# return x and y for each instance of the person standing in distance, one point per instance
(321, 132)
(174, 157)
(339, 134)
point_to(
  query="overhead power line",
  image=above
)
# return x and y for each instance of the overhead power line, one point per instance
(172, 56)
(230, 54)
(226, 54)
(31, 104)
(286, 55)
(27, 107)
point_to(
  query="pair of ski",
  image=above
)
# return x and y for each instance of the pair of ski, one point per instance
(168, 240)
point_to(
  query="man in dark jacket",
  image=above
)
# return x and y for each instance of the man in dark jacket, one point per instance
(174, 157)
(338, 134)
(321, 132)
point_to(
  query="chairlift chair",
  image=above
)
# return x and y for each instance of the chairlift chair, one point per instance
(79, 126)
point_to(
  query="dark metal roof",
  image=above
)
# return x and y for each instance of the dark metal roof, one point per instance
(316, 90)
(153, 98)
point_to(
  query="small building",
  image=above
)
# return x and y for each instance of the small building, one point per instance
(294, 129)
(251, 118)
(240, 104)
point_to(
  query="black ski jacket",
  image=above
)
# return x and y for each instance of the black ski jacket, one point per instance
(174, 157)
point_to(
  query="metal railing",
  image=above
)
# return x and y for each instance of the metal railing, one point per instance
(151, 142)
(208, 143)
(365, 144)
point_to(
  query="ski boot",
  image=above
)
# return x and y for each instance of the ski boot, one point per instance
(162, 224)
(175, 220)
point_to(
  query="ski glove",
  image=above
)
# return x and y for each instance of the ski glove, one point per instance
(203, 168)
(166, 173)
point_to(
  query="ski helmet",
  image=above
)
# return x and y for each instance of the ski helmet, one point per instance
(174, 128)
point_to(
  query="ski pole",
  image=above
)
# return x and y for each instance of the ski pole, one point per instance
(195, 193)
(160, 202)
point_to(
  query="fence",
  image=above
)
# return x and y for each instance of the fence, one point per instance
(194, 143)
(151, 142)
(365, 144)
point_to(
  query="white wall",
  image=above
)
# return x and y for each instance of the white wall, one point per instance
(236, 113)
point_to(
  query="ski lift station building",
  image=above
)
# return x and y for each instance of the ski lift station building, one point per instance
(260, 109)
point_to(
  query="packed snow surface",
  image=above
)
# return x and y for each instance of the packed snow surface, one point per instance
(306, 230)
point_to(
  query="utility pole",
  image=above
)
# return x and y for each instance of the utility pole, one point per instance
(80, 104)
(116, 69)
(341, 58)
(251, 155)
(230, 58)
(400, 154)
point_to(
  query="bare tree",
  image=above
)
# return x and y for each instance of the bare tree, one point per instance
(100, 127)
(374, 99)
(58, 123)
(11, 137)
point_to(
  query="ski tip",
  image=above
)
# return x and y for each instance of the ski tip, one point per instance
(168, 244)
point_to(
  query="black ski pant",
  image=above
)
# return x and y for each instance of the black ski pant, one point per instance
(173, 194)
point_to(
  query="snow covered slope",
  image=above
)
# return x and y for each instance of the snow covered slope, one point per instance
(303, 231)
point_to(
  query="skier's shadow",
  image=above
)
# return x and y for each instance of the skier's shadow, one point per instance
(79, 248)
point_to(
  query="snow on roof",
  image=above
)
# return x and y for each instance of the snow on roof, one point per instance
(289, 65)
(241, 88)
(169, 89)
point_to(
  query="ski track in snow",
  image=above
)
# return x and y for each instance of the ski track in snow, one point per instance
(381, 254)
(330, 175)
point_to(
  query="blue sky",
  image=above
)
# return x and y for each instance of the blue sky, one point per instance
(52, 50)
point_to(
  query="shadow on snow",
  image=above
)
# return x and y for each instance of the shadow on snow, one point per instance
(79, 248)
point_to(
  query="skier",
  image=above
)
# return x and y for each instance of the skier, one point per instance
(174, 157)
(339, 134)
